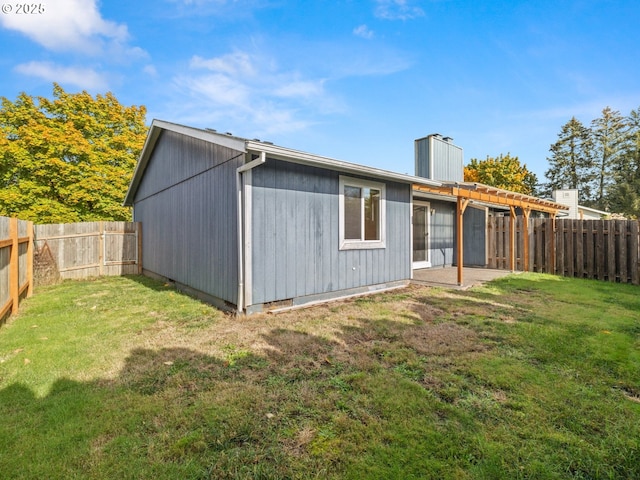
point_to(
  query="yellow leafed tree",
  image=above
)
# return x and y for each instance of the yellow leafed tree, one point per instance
(68, 159)
(504, 172)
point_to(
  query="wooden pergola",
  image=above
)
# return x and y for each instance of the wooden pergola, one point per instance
(466, 192)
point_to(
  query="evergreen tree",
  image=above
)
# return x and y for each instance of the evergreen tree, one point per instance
(571, 162)
(609, 136)
(68, 159)
(624, 195)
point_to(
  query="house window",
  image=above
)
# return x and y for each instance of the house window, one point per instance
(362, 214)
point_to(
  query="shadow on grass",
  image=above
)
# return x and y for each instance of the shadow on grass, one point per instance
(304, 407)
(384, 399)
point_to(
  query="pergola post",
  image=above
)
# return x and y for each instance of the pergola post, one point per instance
(512, 239)
(526, 211)
(460, 208)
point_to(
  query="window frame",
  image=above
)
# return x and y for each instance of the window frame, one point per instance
(360, 244)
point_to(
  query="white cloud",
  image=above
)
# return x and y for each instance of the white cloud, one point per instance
(248, 90)
(255, 92)
(84, 78)
(218, 89)
(363, 31)
(150, 70)
(237, 63)
(397, 10)
(71, 25)
(300, 89)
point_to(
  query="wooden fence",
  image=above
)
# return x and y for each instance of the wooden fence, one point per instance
(599, 249)
(91, 249)
(16, 263)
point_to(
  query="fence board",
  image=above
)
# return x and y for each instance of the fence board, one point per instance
(634, 265)
(622, 251)
(559, 247)
(570, 254)
(611, 249)
(579, 249)
(590, 243)
(599, 249)
(550, 246)
(89, 249)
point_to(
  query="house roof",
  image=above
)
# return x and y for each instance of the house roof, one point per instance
(471, 191)
(256, 146)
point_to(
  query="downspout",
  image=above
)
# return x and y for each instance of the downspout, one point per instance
(240, 191)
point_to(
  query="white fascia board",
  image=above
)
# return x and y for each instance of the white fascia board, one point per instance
(592, 210)
(295, 156)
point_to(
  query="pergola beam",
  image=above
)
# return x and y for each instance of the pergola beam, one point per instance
(493, 196)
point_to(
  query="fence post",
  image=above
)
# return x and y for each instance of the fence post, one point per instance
(14, 274)
(552, 246)
(101, 248)
(30, 259)
(633, 252)
(139, 230)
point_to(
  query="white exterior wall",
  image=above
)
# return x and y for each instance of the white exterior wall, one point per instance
(569, 198)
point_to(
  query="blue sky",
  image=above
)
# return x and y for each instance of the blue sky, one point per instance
(353, 80)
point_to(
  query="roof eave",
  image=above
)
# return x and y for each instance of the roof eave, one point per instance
(295, 156)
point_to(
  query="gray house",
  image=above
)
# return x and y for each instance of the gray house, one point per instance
(250, 226)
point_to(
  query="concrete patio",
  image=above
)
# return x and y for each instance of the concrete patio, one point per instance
(448, 276)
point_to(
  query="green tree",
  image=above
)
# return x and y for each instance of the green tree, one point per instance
(503, 171)
(68, 159)
(571, 162)
(624, 195)
(609, 138)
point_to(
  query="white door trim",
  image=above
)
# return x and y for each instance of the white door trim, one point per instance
(427, 262)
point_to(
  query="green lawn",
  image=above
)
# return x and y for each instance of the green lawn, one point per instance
(531, 376)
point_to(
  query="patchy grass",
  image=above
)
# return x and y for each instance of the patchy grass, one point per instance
(531, 376)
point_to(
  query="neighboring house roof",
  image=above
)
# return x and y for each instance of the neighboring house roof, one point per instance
(593, 210)
(257, 146)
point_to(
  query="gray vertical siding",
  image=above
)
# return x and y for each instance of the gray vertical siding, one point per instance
(443, 233)
(188, 208)
(475, 237)
(422, 158)
(447, 161)
(295, 238)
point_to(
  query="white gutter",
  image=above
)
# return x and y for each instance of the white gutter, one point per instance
(240, 191)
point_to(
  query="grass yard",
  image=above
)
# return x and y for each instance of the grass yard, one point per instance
(531, 376)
